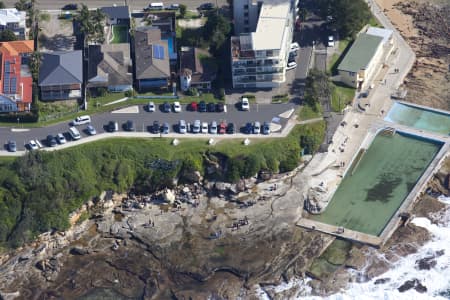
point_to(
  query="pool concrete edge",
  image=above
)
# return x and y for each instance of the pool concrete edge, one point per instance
(408, 202)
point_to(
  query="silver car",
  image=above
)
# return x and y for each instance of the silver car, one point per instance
(60, 138)
(213, 127)
(256, 127)
(182, 127)
(196, 127)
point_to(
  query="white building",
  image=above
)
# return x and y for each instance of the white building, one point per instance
(14, 20)
(259, 56)
(367, 55)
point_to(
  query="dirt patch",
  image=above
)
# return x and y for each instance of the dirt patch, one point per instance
(424, 25)
(56, 34)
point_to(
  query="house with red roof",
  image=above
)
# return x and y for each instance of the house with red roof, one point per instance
(16, 82)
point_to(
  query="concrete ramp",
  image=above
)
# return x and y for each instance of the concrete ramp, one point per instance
(341, 232)
(127, 110)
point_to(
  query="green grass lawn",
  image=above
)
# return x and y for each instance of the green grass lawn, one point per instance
(306, 112)
(341, 96)
(120, 34)
(374, 22)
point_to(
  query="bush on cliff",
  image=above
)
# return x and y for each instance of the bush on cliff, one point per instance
(39, 190)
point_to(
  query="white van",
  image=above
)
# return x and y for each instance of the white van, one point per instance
(80, 120)
(74, 133)
(156, 6)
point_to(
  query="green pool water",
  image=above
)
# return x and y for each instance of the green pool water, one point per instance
(386, 173)
(419, 118)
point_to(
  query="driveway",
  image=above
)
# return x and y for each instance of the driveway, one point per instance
(143, 119)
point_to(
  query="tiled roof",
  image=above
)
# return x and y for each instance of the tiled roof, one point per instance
(61, 67)
(17, 47)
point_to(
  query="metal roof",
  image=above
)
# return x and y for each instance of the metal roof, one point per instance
(361, 53)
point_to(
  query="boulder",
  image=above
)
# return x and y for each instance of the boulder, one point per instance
(412, 284)
(79, 251)
(426, 263)
(381, 281)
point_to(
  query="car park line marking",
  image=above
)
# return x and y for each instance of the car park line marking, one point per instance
(38, 143)
(20, 129)
(286, 114)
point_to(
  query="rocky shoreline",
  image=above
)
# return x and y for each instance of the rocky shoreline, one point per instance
(202, 240)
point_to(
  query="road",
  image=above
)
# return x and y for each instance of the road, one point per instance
(143, 119)
(134, 4)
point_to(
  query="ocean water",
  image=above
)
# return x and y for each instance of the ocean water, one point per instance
(436, 280)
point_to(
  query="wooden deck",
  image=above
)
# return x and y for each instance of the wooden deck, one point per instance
(341, 232)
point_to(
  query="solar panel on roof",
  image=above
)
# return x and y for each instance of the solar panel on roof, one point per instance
(13, 85)
(161, 51)
(158, 51)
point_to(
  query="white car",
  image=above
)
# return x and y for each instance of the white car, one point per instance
(182, 128)
(196, 128)
(60, 138)
(81, 120)
(291, 65)
(295, 46)
(330, 41)
(32, 144)
(91, 130)
(151, 107)
(245, 104)
(177, 107)
(204, 127)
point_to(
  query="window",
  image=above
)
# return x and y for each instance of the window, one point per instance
(246, 14)
(246, 6)
(246, 29)
(353, 74)
(246, 22)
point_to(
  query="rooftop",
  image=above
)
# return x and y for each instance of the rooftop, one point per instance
(116, 12)
(151, 54)
(61, 67)
(198, 63)
(271, 25)
(11, 15)
(382, 32)
(361, 53)
(17, 47)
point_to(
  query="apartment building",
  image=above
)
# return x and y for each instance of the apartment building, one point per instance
(14, 20)
(259, 57)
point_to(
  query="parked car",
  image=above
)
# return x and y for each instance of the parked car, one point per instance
(113, 126)
(174, 6)
(230, 128)
(220, 107)
(71, 6)
(60, 138)
(74, 133)
(151, 106)
(295, 46)
(193, 106)
(211, 107)
(330, 41)
(12, 146)
(256, 127)
(129, 126)
(291, 65)
(197, 127)
(166, 107)
(206, 6)
(266, 128)
(222, 127)
(248, 128)
(165, 128)
(81, 120)
(51, 141)
(176, 107)
(155, 127)
(213, 127)
(204, 128)
(182, 127)
(245, 104)
(202, 106)
(32, 145)
(91, 130)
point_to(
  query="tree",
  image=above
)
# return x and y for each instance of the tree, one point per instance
(7, 36)
(347, 17)
(22, 5)
(91, 24)
(182, 10)
(216, 31)
(35, 63)
(2, 5)
(317, 88)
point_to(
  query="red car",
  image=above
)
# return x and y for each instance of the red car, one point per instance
(222, 128)
(193, 106)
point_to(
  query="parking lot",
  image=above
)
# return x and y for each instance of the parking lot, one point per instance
(143, 120)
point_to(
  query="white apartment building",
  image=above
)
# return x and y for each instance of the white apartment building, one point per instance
(14, 20)
(260, 51)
